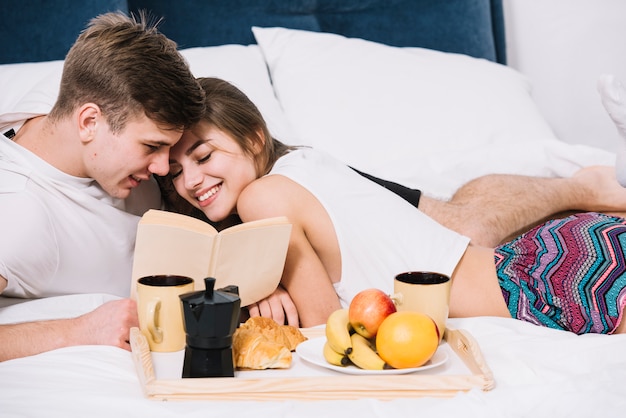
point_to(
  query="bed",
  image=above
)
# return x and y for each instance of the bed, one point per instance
(415, 91)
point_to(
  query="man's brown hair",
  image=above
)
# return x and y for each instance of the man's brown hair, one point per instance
(126, 66)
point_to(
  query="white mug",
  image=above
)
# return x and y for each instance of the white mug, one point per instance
(160, 311)
(426, 292)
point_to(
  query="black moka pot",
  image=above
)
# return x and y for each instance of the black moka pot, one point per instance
(210, 319)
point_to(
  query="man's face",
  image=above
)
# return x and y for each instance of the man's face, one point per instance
(119, 162)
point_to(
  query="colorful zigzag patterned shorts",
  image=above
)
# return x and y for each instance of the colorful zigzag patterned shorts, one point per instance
(567, 274)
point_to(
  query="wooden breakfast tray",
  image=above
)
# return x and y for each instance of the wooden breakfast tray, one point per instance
(331, 386)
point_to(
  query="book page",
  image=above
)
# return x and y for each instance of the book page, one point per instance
(252, 258)
(162, 217)
(255, 224)
(169, 249)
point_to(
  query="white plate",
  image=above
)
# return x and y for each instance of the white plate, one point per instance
(312, 352)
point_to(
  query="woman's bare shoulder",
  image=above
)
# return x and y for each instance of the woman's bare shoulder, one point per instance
(273, 195)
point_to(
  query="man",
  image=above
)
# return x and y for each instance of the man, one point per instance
(73, 182)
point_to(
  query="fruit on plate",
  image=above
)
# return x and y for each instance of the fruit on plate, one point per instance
(368, 309)
(364, 355)
(407, 339)
(338, 331)
(333, 357)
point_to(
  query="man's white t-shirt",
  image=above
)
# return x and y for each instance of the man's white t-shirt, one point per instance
(62, 234)
(380, 235)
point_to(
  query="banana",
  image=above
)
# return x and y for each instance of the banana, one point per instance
(363, 354)
(338, 331)
(334, 357)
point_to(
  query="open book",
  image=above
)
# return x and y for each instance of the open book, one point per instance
(250, 255)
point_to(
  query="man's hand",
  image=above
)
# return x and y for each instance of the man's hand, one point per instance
(110, 323)
(277, 306)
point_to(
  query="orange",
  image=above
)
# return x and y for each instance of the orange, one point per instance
(407, 339)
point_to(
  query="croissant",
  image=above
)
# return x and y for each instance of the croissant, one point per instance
(253, 350)
(287, 335)
(261, 343)
(292, 335)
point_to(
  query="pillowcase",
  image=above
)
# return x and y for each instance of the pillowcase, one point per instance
(411, 115)
(29, 88)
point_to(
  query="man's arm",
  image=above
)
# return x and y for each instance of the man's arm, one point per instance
(492, 208)
(109, 324)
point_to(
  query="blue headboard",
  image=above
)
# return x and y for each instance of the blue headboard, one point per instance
(41, 30)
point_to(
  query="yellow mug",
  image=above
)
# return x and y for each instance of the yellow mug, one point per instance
(426, 292)
(160, 312)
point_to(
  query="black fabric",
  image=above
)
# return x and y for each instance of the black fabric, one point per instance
(410, 195)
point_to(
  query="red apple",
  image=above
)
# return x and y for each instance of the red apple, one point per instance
(368, 309)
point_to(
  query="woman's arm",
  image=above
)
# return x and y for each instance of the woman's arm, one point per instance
(307, 281)
(313, 248)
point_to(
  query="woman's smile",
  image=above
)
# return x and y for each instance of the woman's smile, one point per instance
(206, 198)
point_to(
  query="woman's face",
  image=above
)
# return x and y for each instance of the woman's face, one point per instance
(209, 169)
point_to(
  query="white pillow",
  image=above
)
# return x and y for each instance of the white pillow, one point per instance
(29, 87)
(33, 87)
(406, 114)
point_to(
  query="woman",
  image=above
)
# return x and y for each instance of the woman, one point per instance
(343, 239)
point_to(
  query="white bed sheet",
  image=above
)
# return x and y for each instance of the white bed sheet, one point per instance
(538, 372)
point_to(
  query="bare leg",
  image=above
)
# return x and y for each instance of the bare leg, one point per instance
(493, 208)
(613, 95)
(621, 328)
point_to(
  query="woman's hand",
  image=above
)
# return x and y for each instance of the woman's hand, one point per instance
(277, 306)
